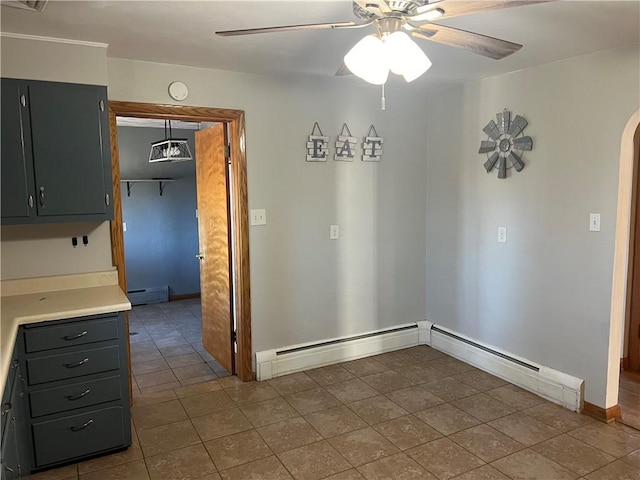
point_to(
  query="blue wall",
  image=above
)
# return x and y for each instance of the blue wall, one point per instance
(161, 240)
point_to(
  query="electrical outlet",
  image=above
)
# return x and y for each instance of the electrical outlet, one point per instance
(334, 232)
(502, 234)
(594, 222)
(258, 217)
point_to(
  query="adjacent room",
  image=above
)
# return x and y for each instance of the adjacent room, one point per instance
(320, 239)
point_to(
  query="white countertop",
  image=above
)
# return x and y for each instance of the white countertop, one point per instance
(54, 298)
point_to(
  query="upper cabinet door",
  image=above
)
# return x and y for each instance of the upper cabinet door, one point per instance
(70, 148)
(17, 167)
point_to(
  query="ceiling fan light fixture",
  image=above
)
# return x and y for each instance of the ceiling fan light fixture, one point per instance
(372, 58)
(405, 57)
(367, 60)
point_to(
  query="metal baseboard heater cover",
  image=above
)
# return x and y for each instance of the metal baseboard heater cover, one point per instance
(553, 385)
(145, 296)
(296, 358)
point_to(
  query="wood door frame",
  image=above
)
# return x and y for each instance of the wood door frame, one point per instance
(239, 236)
(632, 341)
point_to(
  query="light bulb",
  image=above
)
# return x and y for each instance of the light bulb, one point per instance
(367, 60)
(405, 57)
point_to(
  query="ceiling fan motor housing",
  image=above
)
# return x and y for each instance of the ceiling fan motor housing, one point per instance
(372, 10)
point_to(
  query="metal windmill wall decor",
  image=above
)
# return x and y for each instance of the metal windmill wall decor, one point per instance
(506, 142)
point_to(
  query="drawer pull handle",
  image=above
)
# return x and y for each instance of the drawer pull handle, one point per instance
(78, 397)
(73, 337)
(74, 365)
(81, 427)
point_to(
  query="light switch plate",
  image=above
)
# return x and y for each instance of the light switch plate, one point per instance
(502, 234)
(258, 217)
(124, 226)
(594, 222)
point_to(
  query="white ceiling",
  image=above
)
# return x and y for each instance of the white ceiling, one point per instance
(182, 32)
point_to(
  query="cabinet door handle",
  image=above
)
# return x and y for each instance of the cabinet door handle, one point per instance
(106, 199)
(73, 337)
(42, 197)
(30, 201)
(74, 365)
(23, 100)
(81, 427)
(102, 105)
(79, 396)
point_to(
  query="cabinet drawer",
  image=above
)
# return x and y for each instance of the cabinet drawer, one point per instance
(78, 435)
(77, 395)
(73, 333)
(69, 365)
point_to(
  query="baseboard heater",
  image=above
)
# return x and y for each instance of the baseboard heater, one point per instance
(556, 386)
(553, 385)
(145, 296)
(296, 358)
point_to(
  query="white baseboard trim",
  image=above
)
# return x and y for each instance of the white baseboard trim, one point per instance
(553, 385)
(275, 363)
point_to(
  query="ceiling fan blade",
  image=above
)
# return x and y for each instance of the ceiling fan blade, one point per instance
(287, 28)
(472, 42)
(455, 8)
(342, 71)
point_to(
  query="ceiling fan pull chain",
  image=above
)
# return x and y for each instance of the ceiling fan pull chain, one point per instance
(383, 101)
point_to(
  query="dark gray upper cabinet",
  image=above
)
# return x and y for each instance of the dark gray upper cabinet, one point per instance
(17, 163)
(57, 160)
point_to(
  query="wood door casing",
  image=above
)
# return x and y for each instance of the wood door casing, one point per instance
(115, 226)
(213, 238)
(633, 345)
(235, 119)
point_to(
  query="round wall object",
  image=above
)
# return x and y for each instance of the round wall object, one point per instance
(178, 91)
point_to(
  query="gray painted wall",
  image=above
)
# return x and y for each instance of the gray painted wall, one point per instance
(305, 287)
(417, 237)
(546, 294)
(161, 240)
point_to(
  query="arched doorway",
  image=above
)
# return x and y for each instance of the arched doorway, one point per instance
(627, 225)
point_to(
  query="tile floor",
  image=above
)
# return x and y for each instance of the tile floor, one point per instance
(166, 347)
(410, 414)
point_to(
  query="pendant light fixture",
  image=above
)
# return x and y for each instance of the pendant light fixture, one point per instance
(170, 149)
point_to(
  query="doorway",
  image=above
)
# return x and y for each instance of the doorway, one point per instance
(629, 385)
(231, 211)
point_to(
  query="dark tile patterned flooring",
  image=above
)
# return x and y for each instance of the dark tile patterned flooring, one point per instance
(166, 347)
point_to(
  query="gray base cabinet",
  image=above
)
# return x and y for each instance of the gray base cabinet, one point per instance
(56, 157)
(14, 456)
(73, 394)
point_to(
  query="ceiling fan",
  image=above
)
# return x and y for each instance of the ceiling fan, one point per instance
(391, 49)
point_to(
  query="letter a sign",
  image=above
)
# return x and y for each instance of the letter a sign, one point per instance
(345, 146)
